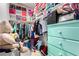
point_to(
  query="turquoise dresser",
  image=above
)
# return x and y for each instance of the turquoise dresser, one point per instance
(63, 39)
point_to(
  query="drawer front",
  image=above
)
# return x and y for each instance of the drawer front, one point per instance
(71, 33)
(71, 46)
(54, 31)
(54, 51)
(50, 53)
(60, 43)
(55, 41)
(67, 54)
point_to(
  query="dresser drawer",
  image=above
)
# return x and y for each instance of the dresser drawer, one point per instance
(50, 53)
(54, 31)
(66, 32)
(54, 51)
(55, 41)
(67, 54)
(71, 46)
(71, 33)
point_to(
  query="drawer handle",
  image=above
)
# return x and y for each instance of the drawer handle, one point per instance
(60, 33)
(60, 43)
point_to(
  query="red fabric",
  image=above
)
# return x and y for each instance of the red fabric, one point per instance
(75, 6)
(40, 4)
(36, 7)
(66, 4)
(44, 12)
(36, 4)
(43, 5)
(44, 49)
(30, 12)
(36, 10)
(67, 7)
(23, 19)
(12, 11)
(23, 13)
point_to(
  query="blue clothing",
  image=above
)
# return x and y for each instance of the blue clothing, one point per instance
(77, 14)
(32, 35)
(32, 39)
(39, 42)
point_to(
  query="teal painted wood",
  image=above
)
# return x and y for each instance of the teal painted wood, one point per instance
(66, 33)
(70, 33)
(55, 41)
(66, 24)
(71, 46)
(56, 51)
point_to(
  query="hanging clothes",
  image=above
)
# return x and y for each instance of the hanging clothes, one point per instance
(35, 27)
(32, 39)
(20, 31)
(18, 27)
(14, 27)
(23, 32)
(75, 6)
(38, 31)
(27, 29)
(32, 36)
(38, 28)
(43, 37)
(44, 25)
(39, 42)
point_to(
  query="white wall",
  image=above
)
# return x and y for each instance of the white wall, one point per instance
(4, 11)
